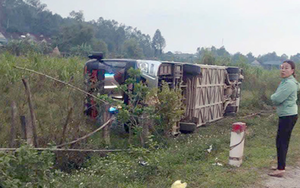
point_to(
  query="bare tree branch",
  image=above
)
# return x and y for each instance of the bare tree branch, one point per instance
(57, 80)
(88, 135)
(66, 150)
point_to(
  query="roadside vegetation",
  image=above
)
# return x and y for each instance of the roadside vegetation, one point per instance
(164, 159)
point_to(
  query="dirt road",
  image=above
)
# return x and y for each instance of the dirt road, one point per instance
(291, 179)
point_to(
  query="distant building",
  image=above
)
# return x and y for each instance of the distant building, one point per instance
(37, 38)
(255, 63)
(3, 40)
(29, 37)
(271, 65)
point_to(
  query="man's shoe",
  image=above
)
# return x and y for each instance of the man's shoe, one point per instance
(273, 168)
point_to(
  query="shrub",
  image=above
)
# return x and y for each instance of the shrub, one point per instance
(52, 101)
(23, 47)
(26, 168)
(170, 107)
(81, 50)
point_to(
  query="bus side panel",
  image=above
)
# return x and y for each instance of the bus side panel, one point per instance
(204, 96)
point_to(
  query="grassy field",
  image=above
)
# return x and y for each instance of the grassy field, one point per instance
(52, 101)
(186, 158)
(166, 160)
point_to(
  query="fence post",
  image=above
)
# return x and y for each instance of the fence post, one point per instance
(32, 125)
(23, 127)
(65, 126)
(106, 129)
(145, 129)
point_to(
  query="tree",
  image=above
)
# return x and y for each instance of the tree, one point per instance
(145, 44)
(100, 46)
(31, 16)
(283, 57)
(250, 57)
(158, 43)
(143, 40)
(81, 50)
(132, 49)
(13, 14)
(36, 4)
(269, 57)
(119, 38)
(296, 58)
(75, 35)
(28, 16)
(47, 24)
(78, 16)
(208, 58)
(106, 31)
(1, 14)
(238, 58)
(222, 52)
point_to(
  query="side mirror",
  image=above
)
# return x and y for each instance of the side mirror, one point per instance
(96, 55)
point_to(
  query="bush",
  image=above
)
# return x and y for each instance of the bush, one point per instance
(52, 101)
(81, 50)
(261, 84)
(26, 168)
(163, 105)
(170, 107)
(23, 47)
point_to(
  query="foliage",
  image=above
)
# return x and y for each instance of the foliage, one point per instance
(26, 168)
(270, 57)
(187, 158)
(28, 17)
(158, 43)
(78, 16)
(184, 157)
(26, 46)
(100, 46)
(131, 49)
(136, 92)
(238, 58)
(52, 101)
(170, 107)
(31, 16)
(82, 50)
(36, 4)
(178, 57)
(250, 57)
(221, 54)
(74, 35)
(162, 105)
(259, 84)
(208, 58)
(296, 58)
(214, 52)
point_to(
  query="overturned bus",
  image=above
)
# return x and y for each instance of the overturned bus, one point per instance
(209, 91)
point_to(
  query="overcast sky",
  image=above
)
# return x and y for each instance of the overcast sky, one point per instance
(257, 26)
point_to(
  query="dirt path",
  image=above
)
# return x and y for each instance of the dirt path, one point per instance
(291, 179)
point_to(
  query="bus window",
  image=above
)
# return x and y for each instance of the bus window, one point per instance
(152, 69)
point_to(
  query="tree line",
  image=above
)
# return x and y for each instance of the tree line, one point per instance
(73, 34)
(222, 54)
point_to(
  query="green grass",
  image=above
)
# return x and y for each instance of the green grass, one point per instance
(187, 159)
(51, 100)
